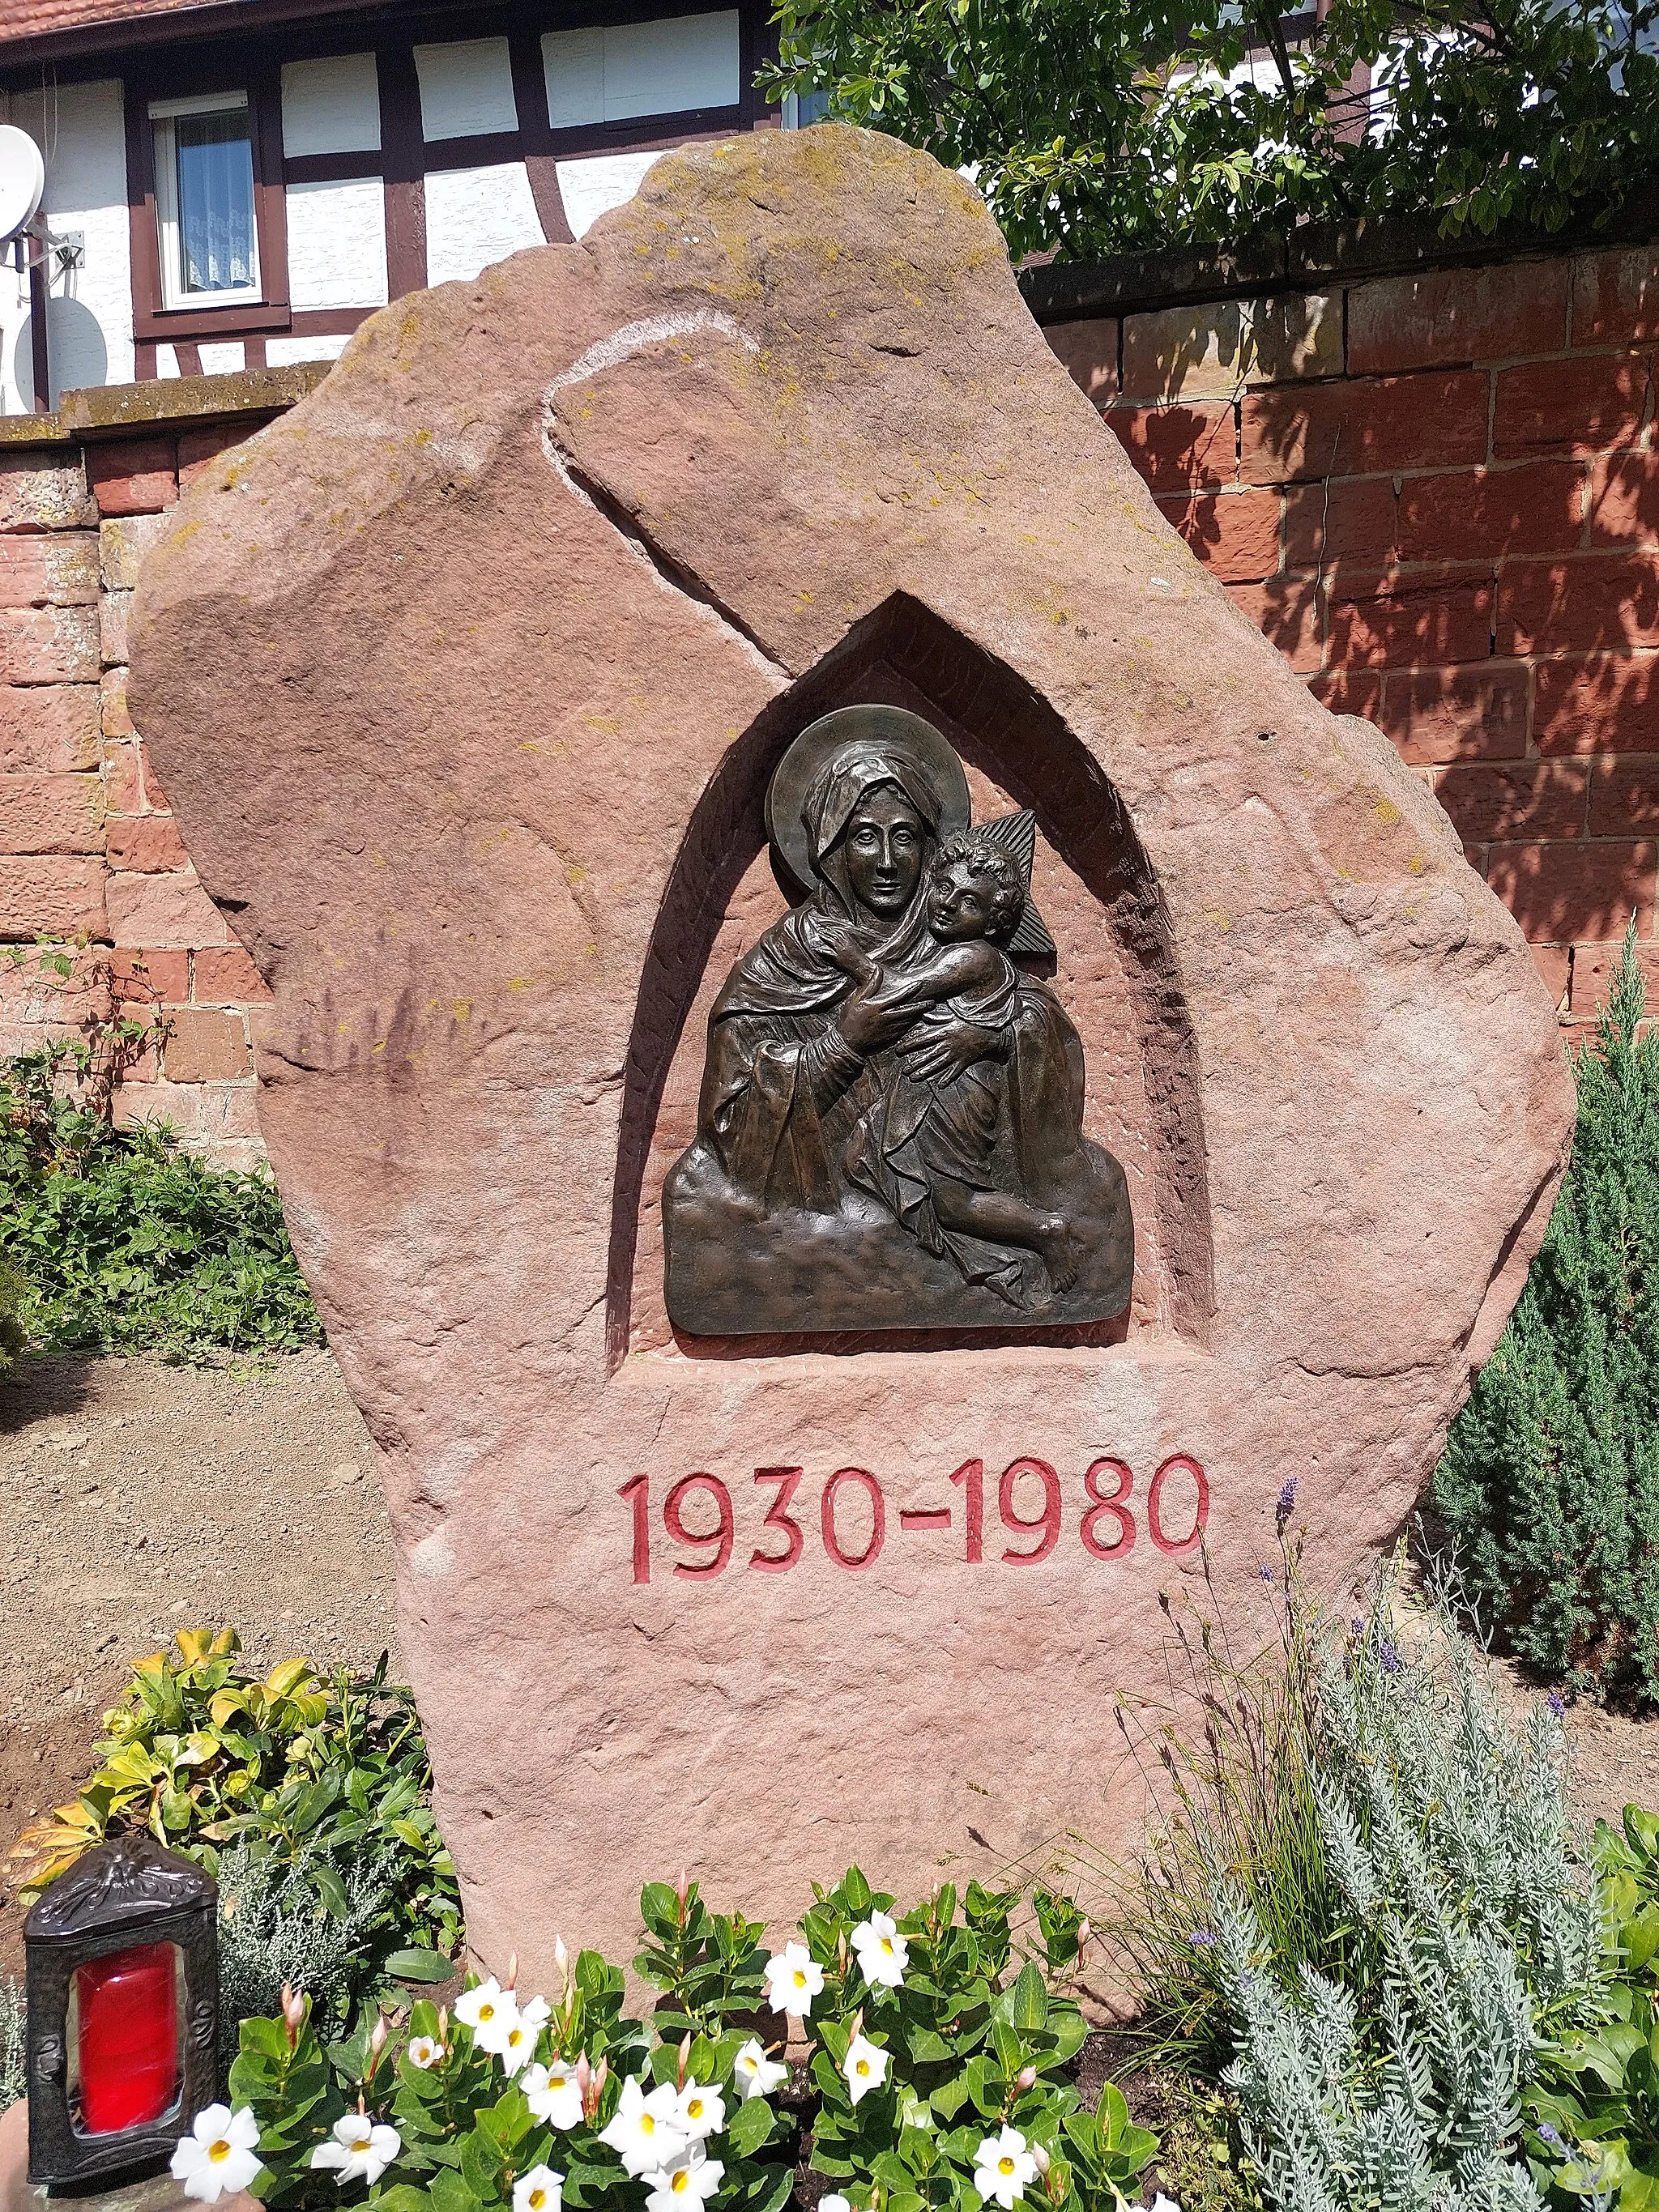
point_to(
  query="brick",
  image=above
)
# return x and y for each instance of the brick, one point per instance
(1350, 691)
(1405, 622)
(1287, 613)
(199, 449)
(1468, 712)
(1446, 315)
(1581, 405)
(149, 977)
(1615, 297)
(50, 726)
(1623, 500)
(138, 476)
(124, 782)
(1088, 352)
(165, 911)
(1234, 534)
(197, 1111)
(205, 1046)
(1295, 334)
(151, 845)
(1342, 522)
(1554, 965)
(226, 976)
(1480, 514)
(59, 571)
(1597, 599)
(51, 813)
(112, 610)
(1178, 448)
(123, 542)
(113, 717)
(1488, 800)
(1187, 353)
(59, 894)
(48, 645)
(1576, 889)
(1595, 966)
(1603, 702)
(1623, 795)
(1363, 426)
(52, 497)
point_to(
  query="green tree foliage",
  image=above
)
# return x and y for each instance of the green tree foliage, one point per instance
(117, 1240)
(1551, 1475)
(1100, 130)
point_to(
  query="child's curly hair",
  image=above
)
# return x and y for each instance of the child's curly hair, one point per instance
(993, 864)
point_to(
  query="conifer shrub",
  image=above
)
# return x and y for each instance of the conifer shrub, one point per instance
(1550, 1480)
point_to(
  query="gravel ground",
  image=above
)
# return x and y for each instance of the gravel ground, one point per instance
(137, 1498)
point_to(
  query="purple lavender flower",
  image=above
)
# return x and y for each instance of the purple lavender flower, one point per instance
(1558, 1705)
(1286, 1506)
(1266, 1573)
(1357, 1628)
(1548, 2133)
(1389, 1656)
(1202, 1939)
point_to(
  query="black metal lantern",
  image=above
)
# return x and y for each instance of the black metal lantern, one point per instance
(122, 1961)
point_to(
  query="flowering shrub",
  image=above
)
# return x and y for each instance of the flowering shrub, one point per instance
(940, 2077)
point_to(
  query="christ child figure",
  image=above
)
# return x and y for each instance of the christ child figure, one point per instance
(929, 1147)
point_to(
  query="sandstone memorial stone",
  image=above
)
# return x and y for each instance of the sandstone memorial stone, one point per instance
(472, 682)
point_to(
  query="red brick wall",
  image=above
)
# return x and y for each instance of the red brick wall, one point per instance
(1438, 494)
(88, 847)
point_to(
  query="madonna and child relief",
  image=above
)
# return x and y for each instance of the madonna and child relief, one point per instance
(890, 1132)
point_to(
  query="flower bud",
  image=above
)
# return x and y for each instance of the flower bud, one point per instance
(377, 2040)
(1083, 1932)
(512, 1971)
(561, 1960)
(1026, 2077)
(294, 2014)
(680, 1889)
(443, 2027)
(685, 2053)
(601, 2075)
(1041, 2158)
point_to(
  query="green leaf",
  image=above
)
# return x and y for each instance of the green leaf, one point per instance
(1029, 2009)
(420, 1965)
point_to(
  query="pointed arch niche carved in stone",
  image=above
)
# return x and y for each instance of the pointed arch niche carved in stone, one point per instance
(1117, 973)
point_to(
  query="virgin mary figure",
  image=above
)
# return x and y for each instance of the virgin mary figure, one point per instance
(766, 1229)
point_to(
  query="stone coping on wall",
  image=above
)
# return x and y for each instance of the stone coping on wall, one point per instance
(1311, 258)
(117, 411)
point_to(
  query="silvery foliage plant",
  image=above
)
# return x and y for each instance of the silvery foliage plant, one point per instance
(1451, 1838)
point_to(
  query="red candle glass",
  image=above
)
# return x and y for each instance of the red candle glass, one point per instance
(127, 2043)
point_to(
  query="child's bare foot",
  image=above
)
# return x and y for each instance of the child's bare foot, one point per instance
(1061, 1256)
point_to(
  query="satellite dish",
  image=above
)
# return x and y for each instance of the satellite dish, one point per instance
(22, 180)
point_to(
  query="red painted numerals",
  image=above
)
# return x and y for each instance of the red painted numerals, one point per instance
(699, 1518)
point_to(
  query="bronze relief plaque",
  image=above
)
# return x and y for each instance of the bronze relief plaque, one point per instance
(889, 1132)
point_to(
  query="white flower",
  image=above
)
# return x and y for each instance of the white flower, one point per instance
(490, 2012)
(755, 2075)
(554, 2094)
(646, 2133)
(701, 2110)
(1002, 2167)
(864, 2066)
(793, 1978)
(881, 1951)
(690, 2180)
(518, 2045)
(833, 2202)
(362, 2149)
(541, 2190)
(219, 2156)
(425, 2052)
(1162, 2203)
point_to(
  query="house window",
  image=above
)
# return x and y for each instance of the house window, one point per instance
(802, 109)
(204, 204)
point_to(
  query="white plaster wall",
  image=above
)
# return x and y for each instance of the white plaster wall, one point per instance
(82, 130)
(221, 357)
(332, 106)
(602, 181)
(337, 243)
(287, 353)
(466, 88)
(623, 70)
(475, 216)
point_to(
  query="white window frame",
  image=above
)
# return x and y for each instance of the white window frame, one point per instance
(162, 116)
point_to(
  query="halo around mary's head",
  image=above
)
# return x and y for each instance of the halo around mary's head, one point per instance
(861, 741)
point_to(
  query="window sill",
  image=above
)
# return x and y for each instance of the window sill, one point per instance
(169, 323)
